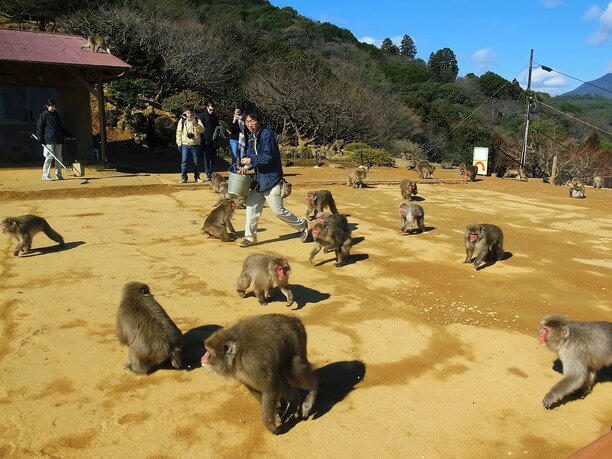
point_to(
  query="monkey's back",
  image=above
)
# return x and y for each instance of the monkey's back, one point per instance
(594, 341)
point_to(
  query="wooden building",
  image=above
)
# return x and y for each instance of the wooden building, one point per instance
(36, 66)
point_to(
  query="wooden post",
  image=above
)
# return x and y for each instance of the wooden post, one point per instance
(102, 118)
(553, 171)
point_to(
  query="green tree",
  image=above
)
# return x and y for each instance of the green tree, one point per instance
(443, 64)
(407, 48)
(388, 47)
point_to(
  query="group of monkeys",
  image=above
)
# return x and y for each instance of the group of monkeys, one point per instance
(267, 353)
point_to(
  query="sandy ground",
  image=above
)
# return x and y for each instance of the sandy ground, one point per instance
(417, 354)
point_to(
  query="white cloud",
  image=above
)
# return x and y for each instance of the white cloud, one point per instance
(604, 32)
(484, 59)
(592, 13)
(551, 82)
(551, 3)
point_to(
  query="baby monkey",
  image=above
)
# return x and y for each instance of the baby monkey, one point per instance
(24, 228)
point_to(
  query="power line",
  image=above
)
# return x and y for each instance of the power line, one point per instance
(550, 69)
(574, 118)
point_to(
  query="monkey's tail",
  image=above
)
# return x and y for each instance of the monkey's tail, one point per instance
(53, 235)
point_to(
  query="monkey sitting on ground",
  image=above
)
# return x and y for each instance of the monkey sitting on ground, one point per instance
(96, 42)
(24, 227)
(216, 180)
(408, 188)
(576, 188)
(317, 201)
(268, 355)
(598, 181)
(487, 239)
(357, 176)
(411, 164)
(239, 200)
(516, 172)
(583, 348)
(285, 188)
(446, 164)
(265, 272)
(331, 236)
(410, 213)
(461, 168)
(218, 224)
(425, 169)
(470, 172)
(144, 326)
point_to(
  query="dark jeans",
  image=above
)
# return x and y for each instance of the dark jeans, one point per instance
(209, 157)
(193, 152)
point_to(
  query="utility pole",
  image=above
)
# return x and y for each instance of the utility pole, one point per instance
(524, 151)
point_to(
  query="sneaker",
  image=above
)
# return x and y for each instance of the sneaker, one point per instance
(246, 243)
(184, 180)
(59, 177)
(46, 178)
(208, 178)
(304, 234)
(199, 180)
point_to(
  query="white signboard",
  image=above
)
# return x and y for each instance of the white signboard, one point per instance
(481, 159)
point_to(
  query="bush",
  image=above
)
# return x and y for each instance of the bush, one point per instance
(178, 102)
(125, 92)
(407, 149)
(364, 153)
(165, 130)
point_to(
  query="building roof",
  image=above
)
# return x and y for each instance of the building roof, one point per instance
(48, 48)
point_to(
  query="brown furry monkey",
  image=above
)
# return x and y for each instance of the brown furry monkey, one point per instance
(285, 188)
(265, 272)
(216, 180)
(357, 176)
(583, 348)
(470, 172)
(331, 237)
(317, 201)
(337, 220)
(411, 213)
(408, 188)
(487, 239)
(598, 181)
(516, 172)
(411, 164)
(446, 164)
(97, 42)
(267, 354)
(425, 169)
(576, 188)
(24, 227)
(218, 224)
(144, 326)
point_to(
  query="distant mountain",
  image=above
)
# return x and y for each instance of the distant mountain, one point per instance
(586, 89)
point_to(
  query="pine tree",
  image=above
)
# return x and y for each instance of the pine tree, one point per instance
(407, 48)
(388, 47)
(443, 64)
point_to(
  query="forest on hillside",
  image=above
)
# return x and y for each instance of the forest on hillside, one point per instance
(317, 84)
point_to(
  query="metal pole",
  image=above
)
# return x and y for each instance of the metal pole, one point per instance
(524, 151)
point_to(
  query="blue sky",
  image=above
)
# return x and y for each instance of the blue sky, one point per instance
(571, 36)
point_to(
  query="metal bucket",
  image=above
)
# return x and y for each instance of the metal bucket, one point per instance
(78, 169)
(238, 184)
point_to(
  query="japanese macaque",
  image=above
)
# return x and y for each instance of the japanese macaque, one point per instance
(24, 227)
(239, 200)
(487, 240)
(144, 326)
(218, 224)
(446, 164)
(265, 272)
(598, 181)
(331, 236)
(583, 348)
(516, 172)
(337, 220)
(461, 168)
(425, 169)
(317, 201)
(576, 188)
(285, 188)
(411, 164)
(408, 188)
(267, 354)
(216, 180)
(409, 214)
(96, 42)
(357, 176)
(470, 172)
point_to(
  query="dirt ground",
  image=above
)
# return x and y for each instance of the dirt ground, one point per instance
(417, 354)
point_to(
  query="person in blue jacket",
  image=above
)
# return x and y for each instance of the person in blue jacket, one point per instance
(264, 157)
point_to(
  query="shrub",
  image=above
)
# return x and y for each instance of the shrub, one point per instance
(364, 153)
(407, 148)
(178, 102)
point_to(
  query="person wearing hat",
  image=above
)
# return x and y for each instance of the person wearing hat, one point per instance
(51, 134)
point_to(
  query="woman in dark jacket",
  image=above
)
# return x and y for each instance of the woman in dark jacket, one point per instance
(51, 134)
(263, 155)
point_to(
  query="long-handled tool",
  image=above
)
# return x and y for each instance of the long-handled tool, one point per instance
(77, 168)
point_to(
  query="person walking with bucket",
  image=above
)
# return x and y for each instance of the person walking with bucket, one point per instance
(263, 156)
